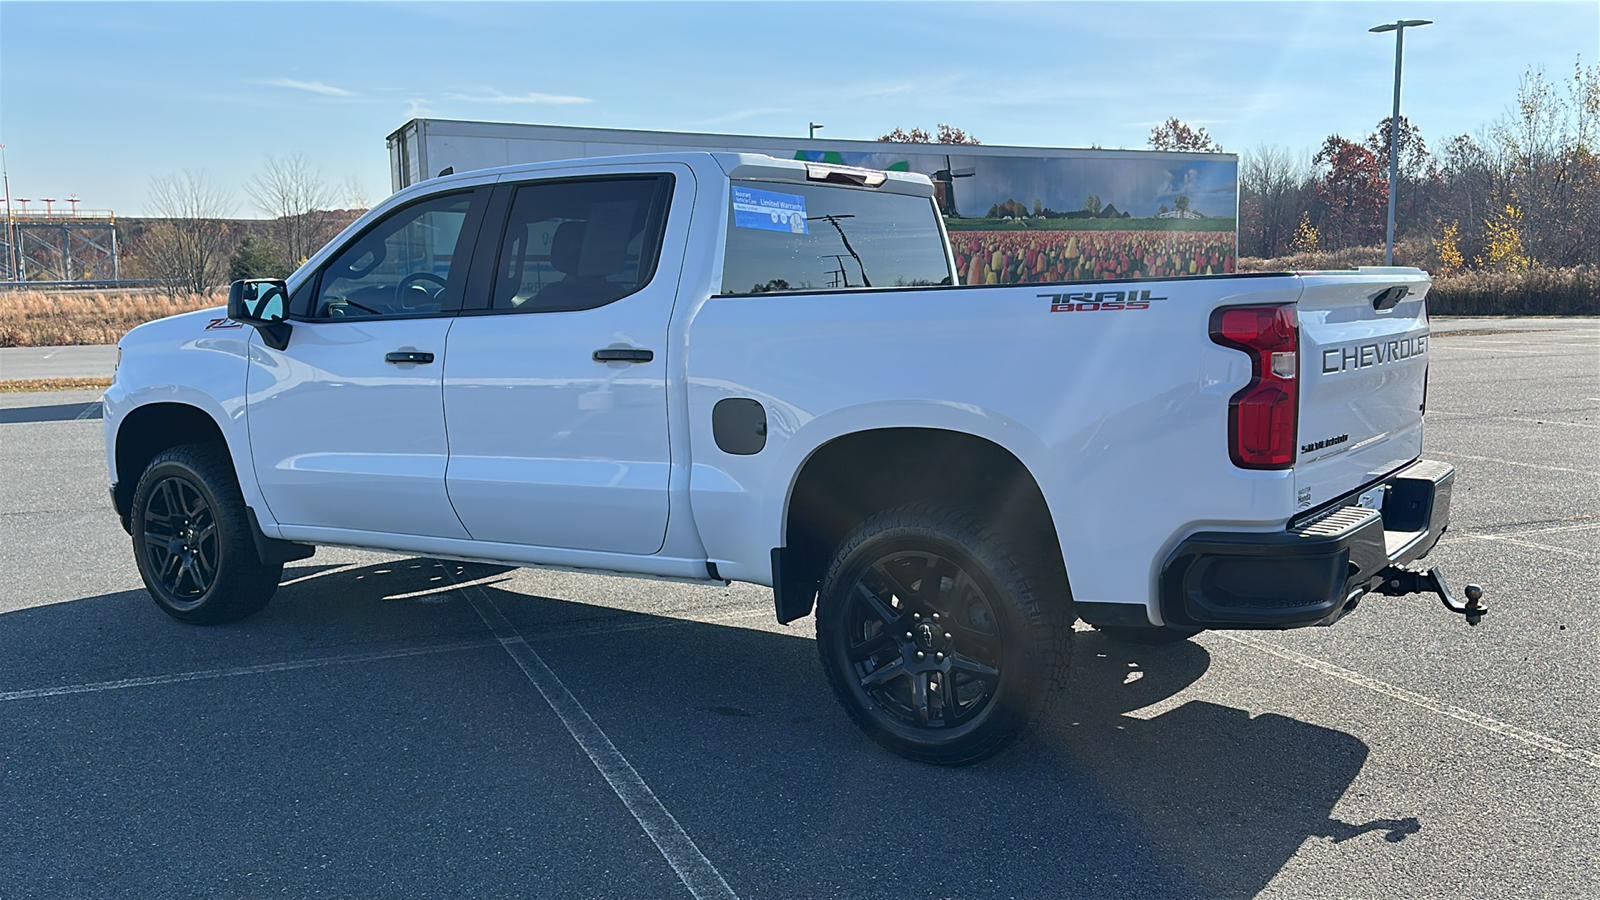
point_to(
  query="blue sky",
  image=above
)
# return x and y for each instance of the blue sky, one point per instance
(97, 98)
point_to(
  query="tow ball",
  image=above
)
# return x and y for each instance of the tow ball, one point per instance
(1400, 580)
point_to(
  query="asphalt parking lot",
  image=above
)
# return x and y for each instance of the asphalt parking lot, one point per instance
(396, 726)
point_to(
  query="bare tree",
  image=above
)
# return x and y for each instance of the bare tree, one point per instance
(189, 251)
(1470, 182)
(293, 193)
(1273, 187)
(1546, 148)
(355, 196)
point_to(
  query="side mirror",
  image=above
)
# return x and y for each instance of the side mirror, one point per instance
(264, 304)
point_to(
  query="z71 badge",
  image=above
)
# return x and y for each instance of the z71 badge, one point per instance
(214, 324)
(1100, 301)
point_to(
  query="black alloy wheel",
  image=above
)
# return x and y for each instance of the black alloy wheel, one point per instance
(181, 543)
(193, 541)
(925, 647)
(938, 643)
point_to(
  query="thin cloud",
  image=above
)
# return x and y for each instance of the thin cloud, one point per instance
(493, 96)
(315, 87)
(743, 114)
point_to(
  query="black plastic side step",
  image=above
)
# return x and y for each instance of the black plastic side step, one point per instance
(1401, 580)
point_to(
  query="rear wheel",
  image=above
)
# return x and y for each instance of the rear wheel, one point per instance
(192, 539)
(939, 643)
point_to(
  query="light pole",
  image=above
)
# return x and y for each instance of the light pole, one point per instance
(813, 130)
(11, 268)
(1399, 29)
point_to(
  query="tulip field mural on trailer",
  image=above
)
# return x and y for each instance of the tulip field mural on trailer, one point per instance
(1076, 215)
(1017, 257)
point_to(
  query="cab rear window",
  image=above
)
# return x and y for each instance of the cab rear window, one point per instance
(801, 237)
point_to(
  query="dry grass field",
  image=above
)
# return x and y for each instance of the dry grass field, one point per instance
(31, 385)
(52, 319)
(1541, 291)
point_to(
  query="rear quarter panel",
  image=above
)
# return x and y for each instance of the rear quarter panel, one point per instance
(1120, 414)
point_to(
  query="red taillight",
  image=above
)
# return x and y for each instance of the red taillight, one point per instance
(1261, 417)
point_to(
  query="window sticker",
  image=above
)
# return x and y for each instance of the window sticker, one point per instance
(769, 210)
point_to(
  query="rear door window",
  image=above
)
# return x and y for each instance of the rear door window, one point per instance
(571, 245)
(797, 237)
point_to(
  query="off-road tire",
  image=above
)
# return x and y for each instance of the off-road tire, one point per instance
(192, 538)
(1011, 615)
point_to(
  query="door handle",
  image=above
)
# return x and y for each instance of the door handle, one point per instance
(624, 354)
(408, 356)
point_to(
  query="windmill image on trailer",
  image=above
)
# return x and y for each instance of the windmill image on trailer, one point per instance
(944, 186)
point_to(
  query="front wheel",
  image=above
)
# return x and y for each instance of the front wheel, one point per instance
(192, 539)
(941, 645)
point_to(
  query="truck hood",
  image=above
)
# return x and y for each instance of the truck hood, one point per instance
(179, 328)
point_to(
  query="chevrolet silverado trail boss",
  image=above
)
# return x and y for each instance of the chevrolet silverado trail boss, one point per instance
(715, 367)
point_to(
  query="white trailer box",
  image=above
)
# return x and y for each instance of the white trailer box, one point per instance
(1015, 214)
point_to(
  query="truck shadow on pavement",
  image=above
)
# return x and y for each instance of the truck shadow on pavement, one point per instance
(733, 728)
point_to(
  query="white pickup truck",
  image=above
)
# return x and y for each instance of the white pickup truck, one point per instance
(718, 367)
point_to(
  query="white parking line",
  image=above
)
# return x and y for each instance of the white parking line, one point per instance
(176, 677)
(731, 619)
(1512, 462)
(343, 659)
(1440, 348)
(1586, 526)
(1567, 551)
(1492, 416)
(680, 851)
(1534, 738)
(1517, 537)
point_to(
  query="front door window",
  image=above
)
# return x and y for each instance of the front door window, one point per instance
(402, 267)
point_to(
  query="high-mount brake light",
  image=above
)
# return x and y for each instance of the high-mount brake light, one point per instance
(845, 175)
(1262, 415)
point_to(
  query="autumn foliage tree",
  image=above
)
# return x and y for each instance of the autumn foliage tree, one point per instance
(1518, 196)
(1174, 134)
(1351, 191)
(945, 134)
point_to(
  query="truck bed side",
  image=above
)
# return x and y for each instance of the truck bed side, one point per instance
(1116, 402)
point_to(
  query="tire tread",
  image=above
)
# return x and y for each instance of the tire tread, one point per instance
(244, 584)
(1045, 625)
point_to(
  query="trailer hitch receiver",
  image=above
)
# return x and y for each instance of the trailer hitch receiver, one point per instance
(1401, 580)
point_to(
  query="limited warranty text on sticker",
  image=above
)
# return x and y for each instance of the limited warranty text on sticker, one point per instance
(769, 210)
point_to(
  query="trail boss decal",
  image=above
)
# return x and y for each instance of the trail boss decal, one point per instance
(1100, 301)
(1325, 442)
(1365, 356)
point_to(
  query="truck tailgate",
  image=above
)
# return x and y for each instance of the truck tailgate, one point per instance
(1363, 376)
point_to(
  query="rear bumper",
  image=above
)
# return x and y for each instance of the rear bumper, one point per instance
(1314, 572)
